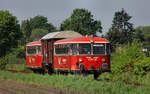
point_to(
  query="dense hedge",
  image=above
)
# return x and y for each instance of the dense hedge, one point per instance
(129, 64)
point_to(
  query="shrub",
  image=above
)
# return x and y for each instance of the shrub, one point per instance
(142, 66)
(3, 62)
(125, 56)
(21, 52)
(129, 64)
(14, 59)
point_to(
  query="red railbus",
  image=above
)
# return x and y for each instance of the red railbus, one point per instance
(60, 52)
(34, 54)
(82, 55)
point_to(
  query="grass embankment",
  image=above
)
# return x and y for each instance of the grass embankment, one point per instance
(74, 83)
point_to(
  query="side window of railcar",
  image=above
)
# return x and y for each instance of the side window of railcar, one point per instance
(98, 49)
(84, 48)
(61, 49)
(108, 49)
(74, 48)
(39, 50)
(31, 50)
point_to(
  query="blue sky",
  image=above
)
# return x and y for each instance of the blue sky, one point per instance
(58, 10)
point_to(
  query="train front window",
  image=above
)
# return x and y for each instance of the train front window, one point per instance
(84, 48)
(98, 49)
(31, 50)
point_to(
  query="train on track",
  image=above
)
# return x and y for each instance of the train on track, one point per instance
(69, 52)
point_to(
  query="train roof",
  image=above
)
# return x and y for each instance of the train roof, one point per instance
(82, 40)
(35, 43)
(61, 35)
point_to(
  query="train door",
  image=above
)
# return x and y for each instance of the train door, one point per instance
(62, 58)
(39, 56)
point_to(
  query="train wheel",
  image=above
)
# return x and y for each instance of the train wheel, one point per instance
(44, 69)
(77, 73)
(96, 75)
(34, 70)
(84, 73)
(50, 69)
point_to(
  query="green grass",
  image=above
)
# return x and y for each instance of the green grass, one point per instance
(18, 67)
(74, 83)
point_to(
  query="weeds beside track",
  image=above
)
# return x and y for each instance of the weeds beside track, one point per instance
(74, 83)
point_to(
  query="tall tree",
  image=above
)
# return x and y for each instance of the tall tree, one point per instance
(142, 33)
(82, 21)
(122, 25)
(26, 29)
(9, 32)
(139, 34)
(37, 22)
(37, 34)
(114, 36)
(41, 22)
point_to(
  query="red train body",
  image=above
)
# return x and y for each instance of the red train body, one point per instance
(34, 54)
(75, 55)
(84, 53)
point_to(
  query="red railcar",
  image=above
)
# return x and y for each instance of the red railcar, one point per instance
(34, 54)
(76, 54)
(84, 54)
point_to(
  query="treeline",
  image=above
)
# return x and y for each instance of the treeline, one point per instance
(81, 20)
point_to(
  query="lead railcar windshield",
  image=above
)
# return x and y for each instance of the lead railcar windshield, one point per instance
(33, 50)
(95, 49)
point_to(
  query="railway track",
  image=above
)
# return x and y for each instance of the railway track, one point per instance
(127, 83)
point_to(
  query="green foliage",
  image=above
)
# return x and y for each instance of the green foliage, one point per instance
(37, 23)
(21, 53)
(125, 56)
(17, 67)
(3, 62)
(142, 66)
(14, 60)
(115, 37)
(17, 56)
(82, 21)
(144, 31)
(9, 32)
(37, 34)
(129, 64)
(122, 30)
(142, 34)
(26, 29)
(139, 35)
(41, 22)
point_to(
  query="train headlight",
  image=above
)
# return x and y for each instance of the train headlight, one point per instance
(80, 60)
(103, 60)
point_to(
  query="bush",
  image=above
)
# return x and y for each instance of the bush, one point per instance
(17, 56)
(125, 56)
(21, 52)
(142, 66)
(129, 64)
(14, 60)
(3, 62)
